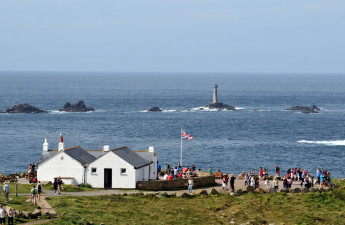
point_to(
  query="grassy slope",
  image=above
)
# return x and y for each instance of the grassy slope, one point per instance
(309, 208)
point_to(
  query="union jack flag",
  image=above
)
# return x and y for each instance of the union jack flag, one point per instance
(186, 136)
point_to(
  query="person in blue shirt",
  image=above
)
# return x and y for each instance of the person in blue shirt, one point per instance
(159, 168)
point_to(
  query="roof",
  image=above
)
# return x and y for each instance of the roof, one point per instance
(131, 157)
(80, 155)
(88, 156)
(77, 153)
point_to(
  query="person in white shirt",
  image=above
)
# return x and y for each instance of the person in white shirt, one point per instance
(7, 191)
(165, 177)
(2, 215)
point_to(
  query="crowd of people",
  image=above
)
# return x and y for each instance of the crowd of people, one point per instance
(292, 175)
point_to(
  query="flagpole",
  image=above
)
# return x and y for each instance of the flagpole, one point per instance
(181, 149)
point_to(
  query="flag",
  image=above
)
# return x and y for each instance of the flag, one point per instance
(186, 136)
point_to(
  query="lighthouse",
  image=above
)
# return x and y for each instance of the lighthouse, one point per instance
(215, 97)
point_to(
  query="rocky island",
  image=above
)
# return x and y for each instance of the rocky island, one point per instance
(218, 105)
(23, 108)
(305, 109)
(78, 107)
(155, 109)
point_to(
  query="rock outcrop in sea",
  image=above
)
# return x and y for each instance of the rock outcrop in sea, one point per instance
(305, 109)
(155, 109)
(23, 108)
(78, 107)
(218, 105)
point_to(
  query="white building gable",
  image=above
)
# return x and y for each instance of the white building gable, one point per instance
(60, 165)
(116, 168)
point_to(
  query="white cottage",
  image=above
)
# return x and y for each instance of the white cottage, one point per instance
(107, 168)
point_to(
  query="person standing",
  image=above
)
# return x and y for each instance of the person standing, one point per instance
(275, 182)
(2, 215)
(59, 183)
(33, 194)
(232, 182)
(39, 190)
(190, 185)
(224, 182)
(55, 185)
(10, 215)
(6, 192)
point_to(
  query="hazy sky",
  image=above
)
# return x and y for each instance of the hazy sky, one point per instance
(285, 36)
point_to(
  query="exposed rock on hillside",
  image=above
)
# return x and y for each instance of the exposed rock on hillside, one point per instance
(78, 107)
(23, 108)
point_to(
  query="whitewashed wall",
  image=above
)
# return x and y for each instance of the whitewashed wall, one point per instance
(150, 156)
(142, 173)
(111, 161)
(60, 167)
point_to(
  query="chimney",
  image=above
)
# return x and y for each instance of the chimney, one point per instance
(151, 149)
(61, 144)
(106, 148)
(45, 145)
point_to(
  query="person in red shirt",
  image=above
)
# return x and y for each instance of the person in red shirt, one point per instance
(170, 177)
(179, 175)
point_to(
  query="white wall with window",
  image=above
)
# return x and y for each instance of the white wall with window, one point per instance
(123, 173)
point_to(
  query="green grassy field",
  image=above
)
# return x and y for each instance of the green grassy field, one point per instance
(19, 203)
(308, 208)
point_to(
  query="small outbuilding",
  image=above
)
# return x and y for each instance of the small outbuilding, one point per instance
(107, 168)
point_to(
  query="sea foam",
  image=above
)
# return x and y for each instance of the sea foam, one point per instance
(330, 143)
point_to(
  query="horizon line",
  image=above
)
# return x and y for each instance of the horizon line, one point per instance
(176, 72)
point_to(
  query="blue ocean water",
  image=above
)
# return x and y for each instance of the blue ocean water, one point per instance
(262, 134)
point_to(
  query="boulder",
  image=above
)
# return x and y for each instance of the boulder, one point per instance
(26, 214)
(78, 107)
(297, 190)
(233, 194)
(203, 192)
(155, 109)
(259, 190)
(322, 190)
(239, 191)
(214, 192)
(304, 190)
(284, 190)
(36, 213)
(23, 108)
(250, 189)
(272, 190)
(186, 195)
(305, 109)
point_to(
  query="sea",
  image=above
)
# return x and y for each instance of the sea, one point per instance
(261, 134)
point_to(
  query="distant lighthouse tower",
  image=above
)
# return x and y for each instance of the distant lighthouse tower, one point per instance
(215, 97)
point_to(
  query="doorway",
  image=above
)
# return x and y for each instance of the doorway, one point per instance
(108, 174)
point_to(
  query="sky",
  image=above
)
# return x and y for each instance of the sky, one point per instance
(221, 36)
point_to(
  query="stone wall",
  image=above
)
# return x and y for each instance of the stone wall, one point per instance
(203, 180)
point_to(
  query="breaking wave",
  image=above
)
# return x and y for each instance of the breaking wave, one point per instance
(329, 143)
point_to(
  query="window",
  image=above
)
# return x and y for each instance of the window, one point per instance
(93, 170)
(123, 171)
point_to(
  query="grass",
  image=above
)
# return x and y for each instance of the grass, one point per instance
(308, 208)
(19, 203)
(70, 188)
